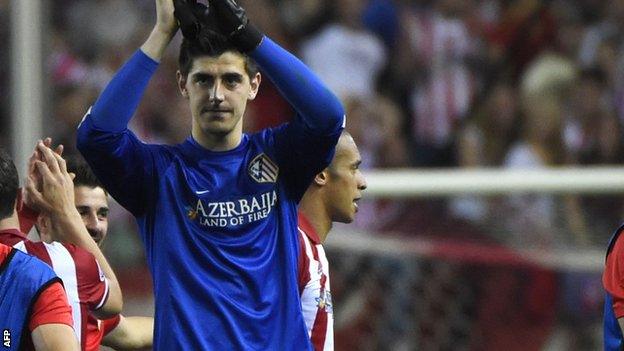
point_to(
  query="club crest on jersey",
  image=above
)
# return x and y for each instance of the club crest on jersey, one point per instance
(263, 170)
(324, 301)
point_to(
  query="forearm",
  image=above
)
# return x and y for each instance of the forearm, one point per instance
(54, 337)
(131, 333)
(118, 102)
(157, 43)
(314, 102)
(69, 224)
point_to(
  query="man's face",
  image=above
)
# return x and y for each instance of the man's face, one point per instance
(218, 89)
(345, 182)
(92, 204)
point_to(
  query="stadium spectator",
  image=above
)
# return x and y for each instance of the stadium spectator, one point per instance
(344, 54)
(442, 43)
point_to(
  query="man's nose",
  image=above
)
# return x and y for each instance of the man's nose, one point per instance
(216, 95)
(362, 184)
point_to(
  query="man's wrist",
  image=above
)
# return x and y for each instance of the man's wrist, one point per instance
(247, 38)
(157, 43)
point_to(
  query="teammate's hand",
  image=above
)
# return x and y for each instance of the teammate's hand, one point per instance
(55, 192)
(33, 174)
(234, 24)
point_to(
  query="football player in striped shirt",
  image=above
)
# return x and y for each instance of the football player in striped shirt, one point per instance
(332, 197)
(91, 201)
(89, 282)
(34, 312)
(217, 213)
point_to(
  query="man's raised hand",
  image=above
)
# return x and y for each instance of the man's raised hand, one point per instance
(49, 187)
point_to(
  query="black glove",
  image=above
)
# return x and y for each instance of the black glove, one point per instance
(234, 24)
(189, 14)
(196, 21)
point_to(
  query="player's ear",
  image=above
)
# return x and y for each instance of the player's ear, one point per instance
(19, 201)
(182, 84)
(321, 178)
(255, 85)
(42, 224)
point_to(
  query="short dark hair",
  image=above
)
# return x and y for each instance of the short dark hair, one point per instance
(9, 185)
(211, 44)
(84, 175)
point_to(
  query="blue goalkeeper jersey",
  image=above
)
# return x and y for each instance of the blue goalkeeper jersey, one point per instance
(219, 228)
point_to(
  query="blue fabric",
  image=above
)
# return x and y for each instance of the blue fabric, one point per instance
(219, 228)
(318, 107)
(612, 334)
(21, 281)
(122, 95)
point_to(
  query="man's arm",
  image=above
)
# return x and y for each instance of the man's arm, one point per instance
(103, 138)
(51, 320)
(131, 333)
(318, 107)
(306, 145)
(57, 199)
(54, 337)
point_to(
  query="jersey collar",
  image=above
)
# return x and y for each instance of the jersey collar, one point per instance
(13, 232)
(308, 229)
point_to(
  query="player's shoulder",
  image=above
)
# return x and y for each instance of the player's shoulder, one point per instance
(30, 268)
(79, 255)
(615, 242)
(268, 134)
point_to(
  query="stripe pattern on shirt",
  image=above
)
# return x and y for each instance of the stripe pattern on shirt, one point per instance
(314, 287)
(64, 263)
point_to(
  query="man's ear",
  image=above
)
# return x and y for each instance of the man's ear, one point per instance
(42, 224)
(19, 201)
(255, 85)
(182, 84)
(321, 178)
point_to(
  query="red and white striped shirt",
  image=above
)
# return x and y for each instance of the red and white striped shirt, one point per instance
(439, 103)
(316, 302)
(85, 284)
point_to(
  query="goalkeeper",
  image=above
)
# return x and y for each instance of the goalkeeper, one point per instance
(217, 213)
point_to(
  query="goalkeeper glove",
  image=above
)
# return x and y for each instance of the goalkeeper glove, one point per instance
(234, 24)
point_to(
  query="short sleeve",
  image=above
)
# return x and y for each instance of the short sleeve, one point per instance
(93, 286)
(613, 277)
(108, 325)
(51, 307)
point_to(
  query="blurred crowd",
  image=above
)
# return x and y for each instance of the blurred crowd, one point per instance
(426, 84)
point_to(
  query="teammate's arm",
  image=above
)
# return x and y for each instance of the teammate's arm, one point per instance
(54, 337)
(131, 333)
(57, 199)
(51, 320)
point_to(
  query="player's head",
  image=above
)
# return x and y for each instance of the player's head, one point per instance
(340, 185)
(217, 80)
(90, 197)
(9, 186)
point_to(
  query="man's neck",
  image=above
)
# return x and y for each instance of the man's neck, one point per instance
(315, 212)
(9, 223)
(218, 142)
